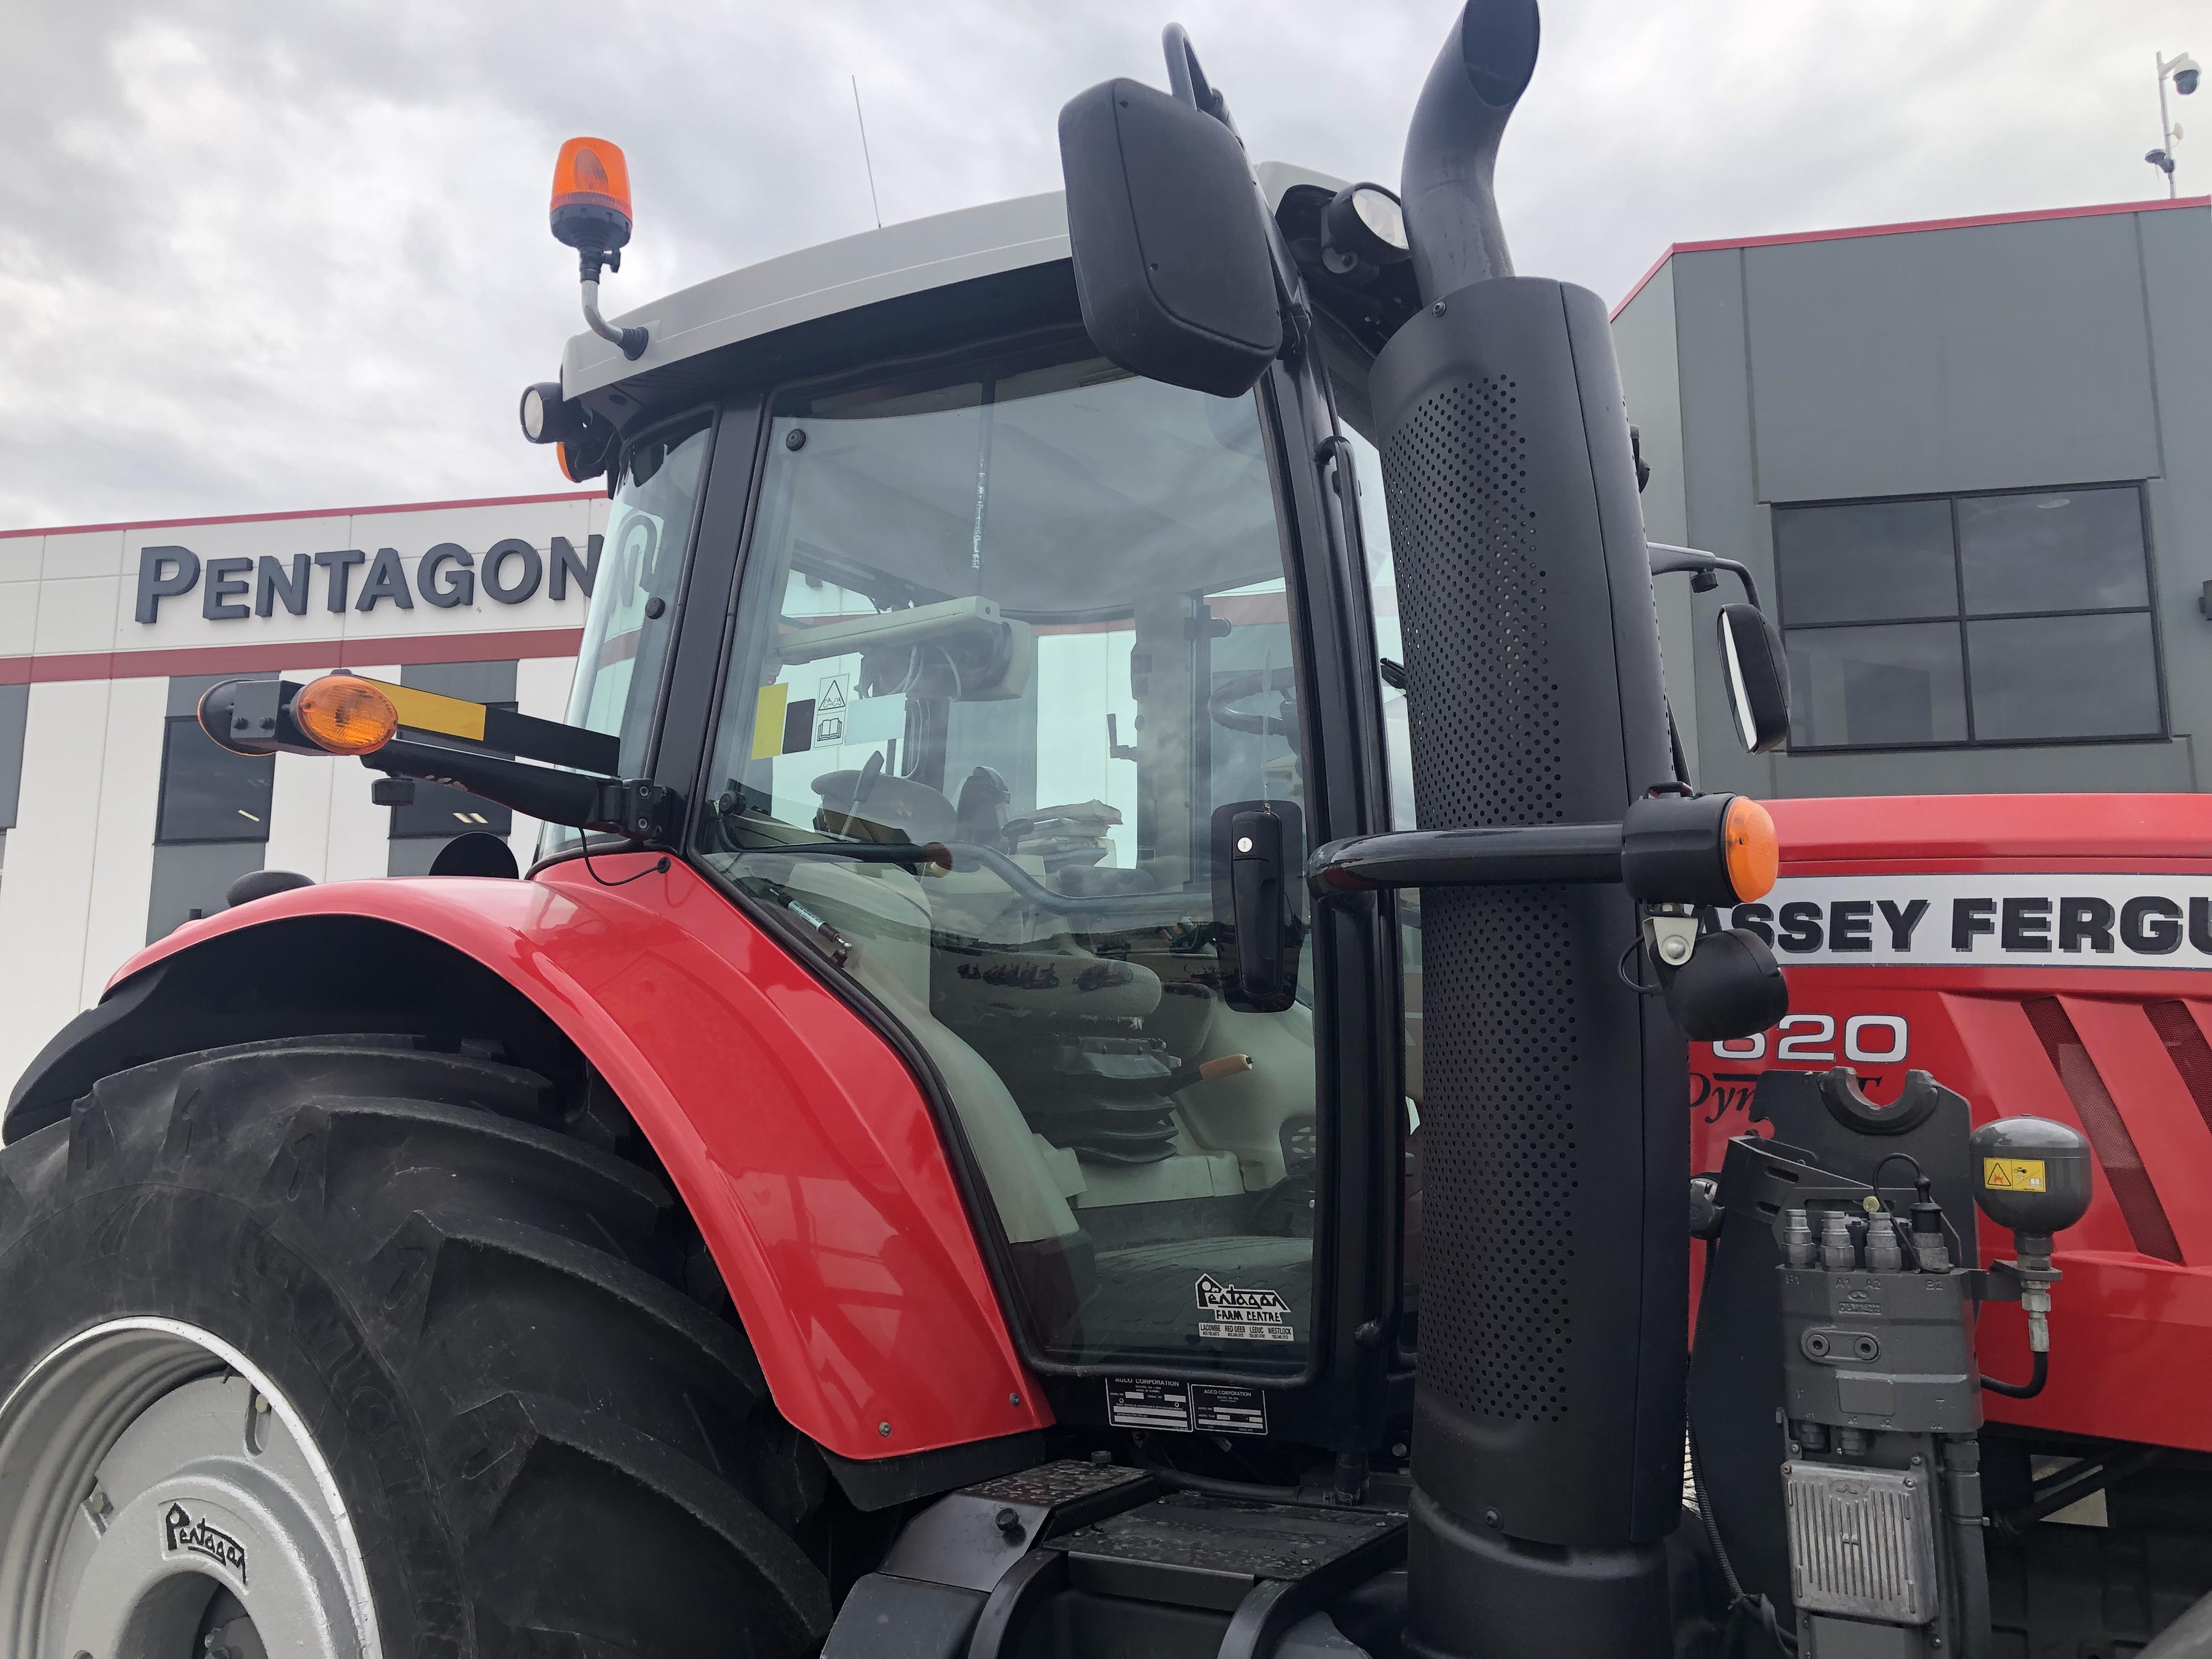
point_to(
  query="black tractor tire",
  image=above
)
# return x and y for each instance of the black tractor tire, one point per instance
(546, 1446)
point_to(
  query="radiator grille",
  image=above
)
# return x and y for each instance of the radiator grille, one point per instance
(1862, 1542)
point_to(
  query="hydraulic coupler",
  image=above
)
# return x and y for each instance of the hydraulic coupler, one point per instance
(1857, 1213)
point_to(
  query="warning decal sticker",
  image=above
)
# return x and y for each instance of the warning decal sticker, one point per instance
(1229, 1410)
(1139, 1402)
(2016, 1174)
(1251, 1316)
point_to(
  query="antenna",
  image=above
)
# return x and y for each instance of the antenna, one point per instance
(866, 159)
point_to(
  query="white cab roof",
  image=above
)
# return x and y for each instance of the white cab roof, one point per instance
(848, 273)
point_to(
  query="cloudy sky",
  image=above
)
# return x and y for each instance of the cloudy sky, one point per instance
(261, 257)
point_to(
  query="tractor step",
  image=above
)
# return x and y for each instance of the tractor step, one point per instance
(1070, 1557)
(1196, 1551)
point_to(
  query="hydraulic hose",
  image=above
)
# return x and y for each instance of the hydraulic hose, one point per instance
(2039, 1374)
(631, 340)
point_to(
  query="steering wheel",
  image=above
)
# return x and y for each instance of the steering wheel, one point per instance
(1283, 722)
(874, 805)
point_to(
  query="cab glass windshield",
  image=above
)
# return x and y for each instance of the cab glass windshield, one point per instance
(1013, 641)
(626, 635)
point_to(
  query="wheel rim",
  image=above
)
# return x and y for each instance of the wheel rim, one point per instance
(146, 1468)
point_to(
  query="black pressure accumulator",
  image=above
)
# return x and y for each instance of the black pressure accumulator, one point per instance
(2032, 1178)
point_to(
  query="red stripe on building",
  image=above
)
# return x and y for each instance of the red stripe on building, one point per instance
(314, 513)
(515, 643)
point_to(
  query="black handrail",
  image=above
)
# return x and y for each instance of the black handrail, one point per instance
(1505, 856)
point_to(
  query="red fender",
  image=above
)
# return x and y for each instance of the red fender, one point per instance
(803, 1146)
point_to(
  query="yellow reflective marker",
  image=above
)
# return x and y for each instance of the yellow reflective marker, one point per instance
(767, 721)
(2013, 1175)
(427, 711)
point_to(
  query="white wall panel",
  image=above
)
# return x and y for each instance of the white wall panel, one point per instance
(122, 827)
(82, 553)
(21, 558)
(19, 614)
(76, 613)
(46, 893)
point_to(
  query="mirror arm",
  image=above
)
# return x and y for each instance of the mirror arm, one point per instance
(641, 810)
(1667, 559)
(1187, 80)
(1186, 77)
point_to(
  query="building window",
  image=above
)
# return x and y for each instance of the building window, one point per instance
(421, 829)
(212, 823)
(2020, 617)
(15, 711)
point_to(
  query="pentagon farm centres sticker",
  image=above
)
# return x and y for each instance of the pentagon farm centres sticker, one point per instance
(1248, 1315)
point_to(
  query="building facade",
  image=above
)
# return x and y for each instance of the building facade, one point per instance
(119, 819)
(1970, 463)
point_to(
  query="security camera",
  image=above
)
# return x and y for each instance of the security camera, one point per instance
(2161, 160)
(2185, 81)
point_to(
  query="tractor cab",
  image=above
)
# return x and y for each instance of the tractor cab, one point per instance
(988, 675)
(1007, 624)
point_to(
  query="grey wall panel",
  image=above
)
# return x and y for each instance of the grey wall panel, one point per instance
(1650, 382)
(2177, 255)
(2088, 769)
(1978, 358)
(1721, 511)
(14, 710)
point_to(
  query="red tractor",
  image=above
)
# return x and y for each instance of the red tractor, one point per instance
(928, 1162)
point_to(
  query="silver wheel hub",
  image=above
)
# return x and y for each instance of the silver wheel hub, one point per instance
(159, 1500)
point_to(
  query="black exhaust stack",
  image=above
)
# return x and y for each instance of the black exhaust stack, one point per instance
(1451, 148)
(1548, 1419)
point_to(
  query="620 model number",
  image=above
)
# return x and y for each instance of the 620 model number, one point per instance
(1874, 1039)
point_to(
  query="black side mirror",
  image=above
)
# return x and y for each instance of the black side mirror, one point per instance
(1757, 680)
(1172, 260)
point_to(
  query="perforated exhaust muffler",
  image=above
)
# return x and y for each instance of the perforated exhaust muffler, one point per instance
(1548, 1415)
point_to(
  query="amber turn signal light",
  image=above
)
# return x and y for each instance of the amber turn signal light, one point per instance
(1753, 851)
(1702, 850)
(345, 716)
